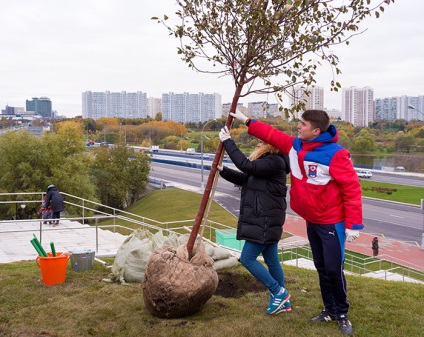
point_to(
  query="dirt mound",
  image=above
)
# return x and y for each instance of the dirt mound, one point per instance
(235, 285)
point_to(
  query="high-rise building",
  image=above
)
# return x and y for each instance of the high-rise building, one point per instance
(386, 108)
(41, 106)
(154, 106)
(226, 108)
(400, 107)
(358, 105)
(313, 97)
(114, 104)
(188, 107)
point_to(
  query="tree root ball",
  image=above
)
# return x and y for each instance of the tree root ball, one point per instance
(175, 287)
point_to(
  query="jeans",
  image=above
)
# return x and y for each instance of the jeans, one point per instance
(273, 277)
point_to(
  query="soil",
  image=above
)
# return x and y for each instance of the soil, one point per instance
(235, 285)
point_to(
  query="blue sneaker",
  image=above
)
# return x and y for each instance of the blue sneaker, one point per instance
(285, 308)
(277, 301)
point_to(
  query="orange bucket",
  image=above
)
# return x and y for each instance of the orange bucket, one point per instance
(53, 269)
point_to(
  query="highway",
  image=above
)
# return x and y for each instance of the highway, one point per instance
(393, 220)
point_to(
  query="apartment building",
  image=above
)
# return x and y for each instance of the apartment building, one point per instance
(114, 104)
(358, 105)
(400, 107)
(186, 107)
(313, 97)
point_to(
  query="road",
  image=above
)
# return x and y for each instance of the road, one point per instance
(393, 220)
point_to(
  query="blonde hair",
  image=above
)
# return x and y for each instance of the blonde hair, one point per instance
(261, 150)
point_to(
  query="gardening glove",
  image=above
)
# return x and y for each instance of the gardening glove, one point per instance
(224, 134)
(351, 234)
(220, 167)
(239, 116)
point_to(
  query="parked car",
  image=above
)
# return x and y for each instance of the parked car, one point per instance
(364, 174)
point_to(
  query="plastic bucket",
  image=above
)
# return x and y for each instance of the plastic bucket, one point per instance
(82, 259)
(53, 269)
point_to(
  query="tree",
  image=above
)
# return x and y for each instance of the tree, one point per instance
(363, 143)
(30, 163)
(121, 175)
(255, 42)
(260, 42)
(404, 142)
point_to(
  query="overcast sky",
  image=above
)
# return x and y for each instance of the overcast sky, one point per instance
(61, 48)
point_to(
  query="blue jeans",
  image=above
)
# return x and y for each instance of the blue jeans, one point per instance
(273, 278)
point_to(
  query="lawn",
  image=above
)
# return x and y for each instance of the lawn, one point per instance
(87, 306)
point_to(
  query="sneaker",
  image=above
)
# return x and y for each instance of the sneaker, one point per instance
(324, 316)
(286, 307)
(277, 301)
(344, 325)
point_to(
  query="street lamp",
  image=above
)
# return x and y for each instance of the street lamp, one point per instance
(414, 108)
(202, 184)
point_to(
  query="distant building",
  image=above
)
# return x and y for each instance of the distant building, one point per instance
(188, 107)
(41, 106)
(313, 97)
(358, 106)
(400, 107)
(226, 108)
(386, 108)
(122, 104)
(154, 106)
(334, 113)
(10, 110)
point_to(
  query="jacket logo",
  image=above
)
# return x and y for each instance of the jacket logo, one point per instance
(312, 171)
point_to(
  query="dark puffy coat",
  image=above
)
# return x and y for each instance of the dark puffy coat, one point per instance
(263, 194)
(54, 199)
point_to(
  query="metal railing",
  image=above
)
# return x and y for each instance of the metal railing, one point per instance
(99, 216)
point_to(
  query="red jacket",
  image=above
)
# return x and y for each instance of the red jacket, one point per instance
(325, 188)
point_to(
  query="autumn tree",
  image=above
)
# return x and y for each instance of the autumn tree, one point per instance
(30, 163)
(265, 46)
(121, 175)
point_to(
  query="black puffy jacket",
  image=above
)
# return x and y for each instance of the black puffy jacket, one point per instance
(263, 194)
(54, 199)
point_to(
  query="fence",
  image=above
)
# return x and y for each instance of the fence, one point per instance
(104, 217)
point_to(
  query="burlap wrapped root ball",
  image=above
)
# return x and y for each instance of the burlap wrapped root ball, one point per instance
(176, 287)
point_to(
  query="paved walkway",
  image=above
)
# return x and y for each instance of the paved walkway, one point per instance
(405, 254)
(15, 239)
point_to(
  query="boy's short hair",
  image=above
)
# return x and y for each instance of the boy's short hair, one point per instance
(318, 119)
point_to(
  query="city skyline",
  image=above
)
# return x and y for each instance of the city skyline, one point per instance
(61, 49)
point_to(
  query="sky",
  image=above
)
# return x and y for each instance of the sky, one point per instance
(61, 48)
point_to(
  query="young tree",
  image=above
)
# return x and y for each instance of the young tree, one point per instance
(265, 46)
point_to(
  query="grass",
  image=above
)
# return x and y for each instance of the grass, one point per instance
(86, 306)
(174, 204)
(403, 193)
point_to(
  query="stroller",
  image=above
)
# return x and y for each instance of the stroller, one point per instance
(46, 213)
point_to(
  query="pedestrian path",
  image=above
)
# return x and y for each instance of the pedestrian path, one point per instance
(404, 254)
(15, 239)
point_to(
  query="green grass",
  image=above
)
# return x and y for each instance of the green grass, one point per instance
(404, 193)
(86, 306)
(174, 204)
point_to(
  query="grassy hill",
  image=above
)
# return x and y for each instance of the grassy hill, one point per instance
(87, 306)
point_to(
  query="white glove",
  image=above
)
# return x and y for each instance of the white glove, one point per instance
(220, 167)
(239, 116)
(224, 134)
(351, 234)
